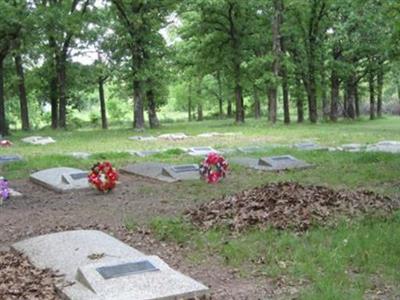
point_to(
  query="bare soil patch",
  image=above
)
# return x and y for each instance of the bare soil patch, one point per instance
(42, 211)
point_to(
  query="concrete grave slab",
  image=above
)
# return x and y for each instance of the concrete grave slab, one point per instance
(209, 134)
(272, 163)
(61, 179)
(142, 138)
(97, 266)
(4, 159)
(144, 153)
(163, 172)
(352, 147)
(385, 146)
(309, 146)
(182, 172)
(38, 140)
(148, 169)
(201, 151)
(173, 136)
(80, 155)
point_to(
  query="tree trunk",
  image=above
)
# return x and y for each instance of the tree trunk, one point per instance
(345, 101)
(350, 91)
(22, 92)
(300, 109)
(379, 91)
(310, 82)
(285, 94)
(371, 95)
(138, 109)
(3, 122)
(229, 108)
(199, 112)
(325, 101)
(312, 98)
(238, 96)
(299, 101)
(335, 88)
(103, 112)
(283, 71)
(398, 93)
(152, 110)
(257, 104)
(357, 100)
(190, 102)
(277, 52)
(62, 77)
(272, 104)
(220, 96)
(53, 83)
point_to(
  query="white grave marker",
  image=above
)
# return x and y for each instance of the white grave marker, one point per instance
(38, 140)
(97, 266)
(61, 179)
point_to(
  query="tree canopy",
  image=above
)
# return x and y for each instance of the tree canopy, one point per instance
(315, 60)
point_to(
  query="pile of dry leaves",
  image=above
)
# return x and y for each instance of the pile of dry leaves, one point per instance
(20, 280)
(286, 205)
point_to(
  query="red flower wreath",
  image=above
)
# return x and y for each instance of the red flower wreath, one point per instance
(213, 168)
(103, 176)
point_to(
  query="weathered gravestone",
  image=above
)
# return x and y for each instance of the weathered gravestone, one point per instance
(309, 146)
(4, 159)
(61, 179)
(182, 172)
(142, 138)
(173, 136)
(272, 163)
(209, 134)
(38, 140)
(201, 151)
(163, 172)
(96, 266)
(352, 147)
(385, 146)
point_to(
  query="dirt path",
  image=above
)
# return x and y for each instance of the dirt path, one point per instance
(42, 211)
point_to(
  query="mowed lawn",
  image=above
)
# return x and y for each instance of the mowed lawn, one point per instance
(356, 259)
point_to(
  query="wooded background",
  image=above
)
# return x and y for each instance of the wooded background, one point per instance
(295, 59)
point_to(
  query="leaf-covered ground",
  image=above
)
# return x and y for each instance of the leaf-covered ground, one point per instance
(287, 205)
(20, 280)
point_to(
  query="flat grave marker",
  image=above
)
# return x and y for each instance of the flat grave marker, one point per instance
(201, 151)
(173, 136)
(385, 146)
(4, 159)
(120, 273)
(209, 134)
(163, 172)
(309, 146)
(272, 163)
(182, 172)
(38, 140)
(61, 179)
(142, 138)
(352, 147)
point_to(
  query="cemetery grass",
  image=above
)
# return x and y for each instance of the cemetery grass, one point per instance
(348, 261)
